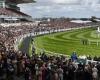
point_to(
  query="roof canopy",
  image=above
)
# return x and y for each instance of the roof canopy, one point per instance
(20, 1)
(13, 13)
(80, 21)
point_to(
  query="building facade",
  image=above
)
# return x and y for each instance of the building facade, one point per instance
(10, 12)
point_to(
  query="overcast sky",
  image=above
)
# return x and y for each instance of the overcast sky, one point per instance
(61, 8)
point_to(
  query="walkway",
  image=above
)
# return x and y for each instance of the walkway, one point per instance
(25, 45)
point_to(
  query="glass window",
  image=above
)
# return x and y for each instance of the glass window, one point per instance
(1, 4)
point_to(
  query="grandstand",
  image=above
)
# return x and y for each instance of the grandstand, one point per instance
(10, 12)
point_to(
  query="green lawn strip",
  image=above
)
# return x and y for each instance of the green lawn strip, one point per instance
(56, 45)
(71, 35)
(68, 48)
(38, 44)
(20, 45)
(30, 48)
(75, 35)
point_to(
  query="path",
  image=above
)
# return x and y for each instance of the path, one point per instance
(25, 45)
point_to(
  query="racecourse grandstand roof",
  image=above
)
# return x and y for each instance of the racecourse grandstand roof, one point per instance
(80, 21)
(11, 12)
(97, 20)
(20, 1)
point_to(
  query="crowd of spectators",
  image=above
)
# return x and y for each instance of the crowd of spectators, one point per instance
(10, 33)
(40, 67)
(43, 67)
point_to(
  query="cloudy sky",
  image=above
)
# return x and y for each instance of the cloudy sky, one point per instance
(61, 8)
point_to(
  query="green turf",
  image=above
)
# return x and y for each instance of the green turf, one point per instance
(69, 41)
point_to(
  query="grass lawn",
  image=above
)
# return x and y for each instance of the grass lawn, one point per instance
(69, 41)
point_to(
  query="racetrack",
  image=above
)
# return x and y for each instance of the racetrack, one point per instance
(69, 41)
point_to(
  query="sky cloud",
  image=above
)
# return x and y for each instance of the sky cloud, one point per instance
(59, 8)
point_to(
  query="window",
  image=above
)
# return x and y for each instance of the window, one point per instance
(2, 4)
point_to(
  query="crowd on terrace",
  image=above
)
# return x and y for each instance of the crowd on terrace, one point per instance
(16, 64)
(8, 34)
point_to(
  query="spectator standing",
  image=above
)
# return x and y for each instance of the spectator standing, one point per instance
(74, 56)
(60, 73)
(94, 73)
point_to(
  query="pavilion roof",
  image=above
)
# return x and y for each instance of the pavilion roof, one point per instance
(12, 13)
(20, 1)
